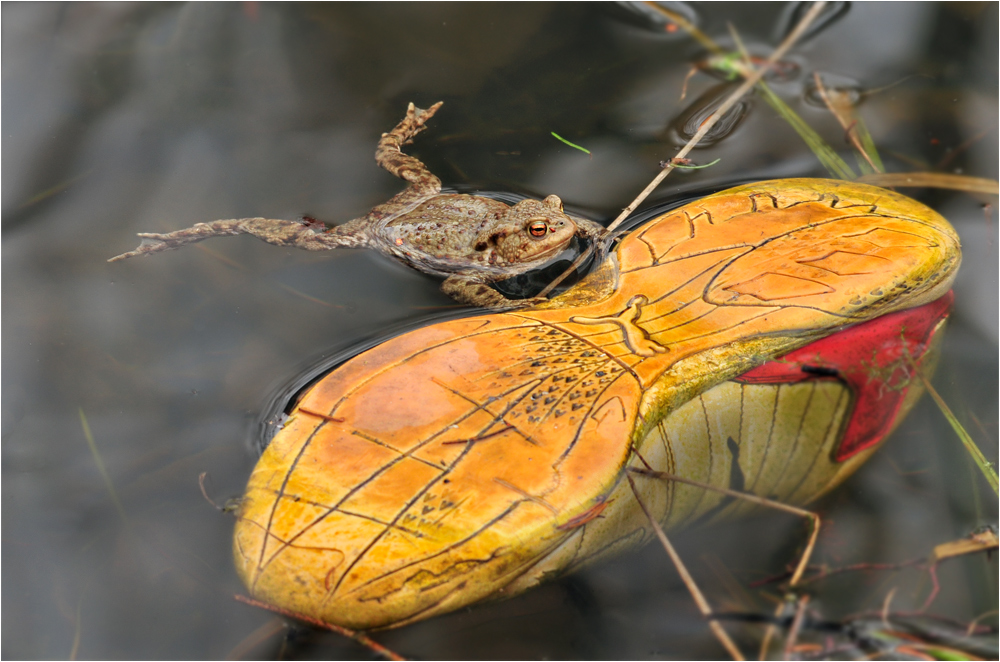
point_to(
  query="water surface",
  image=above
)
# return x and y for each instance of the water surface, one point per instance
(121, 118)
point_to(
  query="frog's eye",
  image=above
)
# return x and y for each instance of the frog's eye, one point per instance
(538, 228)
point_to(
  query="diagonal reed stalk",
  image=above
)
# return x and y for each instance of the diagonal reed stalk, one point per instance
(110, 486)
(720, 112)
(706, 126)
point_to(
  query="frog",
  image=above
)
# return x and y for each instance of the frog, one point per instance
(471, 241)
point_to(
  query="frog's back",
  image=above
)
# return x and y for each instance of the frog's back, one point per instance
(439, 235)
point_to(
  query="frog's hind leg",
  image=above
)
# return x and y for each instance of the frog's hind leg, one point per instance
(473, 291)
(280, 233)
(389, 155)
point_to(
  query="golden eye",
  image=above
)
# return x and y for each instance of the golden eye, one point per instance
(538, 228)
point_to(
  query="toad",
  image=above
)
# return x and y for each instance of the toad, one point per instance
(470, 240)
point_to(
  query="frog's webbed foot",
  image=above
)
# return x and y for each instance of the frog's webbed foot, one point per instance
(280, 233)
(414, 122)
(473, 292)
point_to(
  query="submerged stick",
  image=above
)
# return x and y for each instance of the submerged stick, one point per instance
(803, 563)
(693, 589)
(759, 500)
(359, 637)
(793, 631)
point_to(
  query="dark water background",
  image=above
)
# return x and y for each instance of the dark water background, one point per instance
(122, 118)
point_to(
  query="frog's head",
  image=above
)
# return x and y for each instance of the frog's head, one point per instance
(531, 230)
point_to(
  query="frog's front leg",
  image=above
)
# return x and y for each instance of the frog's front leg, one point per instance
(474, 291)
(309, 236)
(586, 229)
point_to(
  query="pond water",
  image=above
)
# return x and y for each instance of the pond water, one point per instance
(125, 118)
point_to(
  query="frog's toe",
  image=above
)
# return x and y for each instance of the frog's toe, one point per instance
(532, 301)
(590, 229)
(151, 243)
(123, 256)
(421, 115)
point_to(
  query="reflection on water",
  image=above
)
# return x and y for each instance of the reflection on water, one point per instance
(128, 118)
(691, 118)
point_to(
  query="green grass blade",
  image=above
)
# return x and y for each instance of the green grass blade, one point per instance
(835, 165)
(948, 654)
(868, 144)
(696, 167)
(977, 455)
(573, 145)
(863, 165)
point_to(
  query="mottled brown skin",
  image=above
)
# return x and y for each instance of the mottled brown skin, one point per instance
(469, 240)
